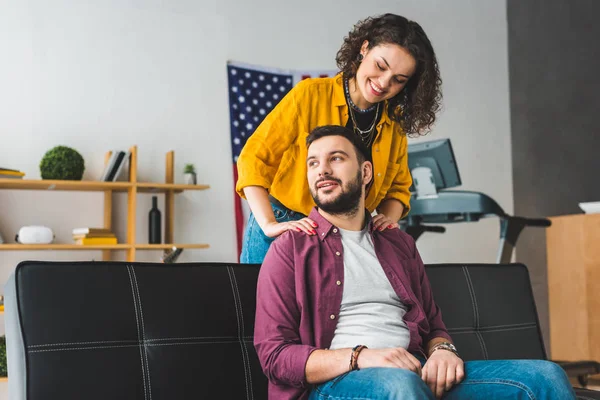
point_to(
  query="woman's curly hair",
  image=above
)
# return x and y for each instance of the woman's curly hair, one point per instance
(416, 105)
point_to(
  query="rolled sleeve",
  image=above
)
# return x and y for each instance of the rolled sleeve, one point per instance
(403, 180)
(261, 156)
(277, 325)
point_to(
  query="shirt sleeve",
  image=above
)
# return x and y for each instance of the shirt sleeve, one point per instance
(276, 333)
(260, 158)
(403, 180)
(437, 328)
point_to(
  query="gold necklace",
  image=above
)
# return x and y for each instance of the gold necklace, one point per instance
(365, 135)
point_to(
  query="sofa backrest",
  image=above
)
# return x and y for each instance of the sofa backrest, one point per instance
(105, 330)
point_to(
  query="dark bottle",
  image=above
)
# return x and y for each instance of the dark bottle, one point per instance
(154, 223)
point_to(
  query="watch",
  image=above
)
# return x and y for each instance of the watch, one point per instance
(444, 346)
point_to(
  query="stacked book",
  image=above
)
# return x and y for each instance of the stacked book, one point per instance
(93, 236)
(6, 173)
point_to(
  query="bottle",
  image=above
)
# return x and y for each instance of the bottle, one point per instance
(154, 229)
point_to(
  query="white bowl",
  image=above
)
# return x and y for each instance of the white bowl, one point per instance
(590, 207)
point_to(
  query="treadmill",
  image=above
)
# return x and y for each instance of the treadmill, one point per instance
(434, 170)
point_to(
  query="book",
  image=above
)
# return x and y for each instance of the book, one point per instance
(6, 176)
(85, 231)
(110, 165)
(11, 172)
(8, 169)
(94, 235)
(124, 160)
(99, 240)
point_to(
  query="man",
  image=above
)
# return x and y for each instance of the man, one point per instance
(348, 313)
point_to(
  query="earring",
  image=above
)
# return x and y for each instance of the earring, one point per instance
(360, 57)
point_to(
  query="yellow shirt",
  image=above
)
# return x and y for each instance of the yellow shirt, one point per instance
(274, 157)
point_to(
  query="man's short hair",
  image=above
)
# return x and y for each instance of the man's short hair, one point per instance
(362, 152)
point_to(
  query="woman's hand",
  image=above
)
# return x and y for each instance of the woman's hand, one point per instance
(306, 225)
(381, 222)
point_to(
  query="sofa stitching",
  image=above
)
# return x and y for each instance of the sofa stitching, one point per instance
(472, 330)
(143, 332)
(83, 348)
(237, 312)
(138, 329)
(130, 345)
(475, 310)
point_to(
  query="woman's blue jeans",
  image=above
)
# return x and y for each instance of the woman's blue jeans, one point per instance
(256, 243)
(494, 379)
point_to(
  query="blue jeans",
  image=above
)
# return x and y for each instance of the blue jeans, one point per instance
(256, 243)
(494, 379)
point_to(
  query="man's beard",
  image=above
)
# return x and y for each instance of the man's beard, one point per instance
(347, 202)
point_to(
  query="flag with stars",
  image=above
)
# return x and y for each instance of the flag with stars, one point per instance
(253, 93)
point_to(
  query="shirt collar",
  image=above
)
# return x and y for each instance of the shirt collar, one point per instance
(324, 227)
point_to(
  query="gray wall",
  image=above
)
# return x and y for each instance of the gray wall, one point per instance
(554, 72)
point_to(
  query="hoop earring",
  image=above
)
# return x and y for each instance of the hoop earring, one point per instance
(360, 57)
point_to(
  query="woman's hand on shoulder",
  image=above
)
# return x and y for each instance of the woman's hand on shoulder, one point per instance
(381, 222)
(306, 225)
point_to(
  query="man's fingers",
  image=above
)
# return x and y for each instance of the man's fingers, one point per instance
(440, 384)
(416, 363)
(460, 372)
(450, 378)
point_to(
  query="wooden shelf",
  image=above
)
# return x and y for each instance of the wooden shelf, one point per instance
(170, 246)
(132, 187)
(83, 186)
(96, 186)
(59, 246)
(167, 187)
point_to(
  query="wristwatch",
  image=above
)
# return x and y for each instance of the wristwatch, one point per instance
(444, 346)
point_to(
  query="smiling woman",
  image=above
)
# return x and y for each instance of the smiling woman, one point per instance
(388, 87)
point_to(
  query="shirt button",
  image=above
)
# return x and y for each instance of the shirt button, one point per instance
(332, 316)
(334, 230)
(377, 149)
(379, 174)
(337, 253)
(322, 233)
(338, 283)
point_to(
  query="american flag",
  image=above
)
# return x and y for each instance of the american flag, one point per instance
(253, 93)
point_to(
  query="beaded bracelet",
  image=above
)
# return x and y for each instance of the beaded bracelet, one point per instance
(354, 356)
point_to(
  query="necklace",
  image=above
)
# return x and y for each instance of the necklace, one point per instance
(351, 103)
(368, 134)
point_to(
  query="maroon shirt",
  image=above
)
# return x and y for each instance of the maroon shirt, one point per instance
(299, 295)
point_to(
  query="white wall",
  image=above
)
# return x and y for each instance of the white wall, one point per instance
(100, 75)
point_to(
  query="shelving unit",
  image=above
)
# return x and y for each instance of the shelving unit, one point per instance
(132, 187)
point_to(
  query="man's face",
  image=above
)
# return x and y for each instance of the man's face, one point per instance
(335, 178)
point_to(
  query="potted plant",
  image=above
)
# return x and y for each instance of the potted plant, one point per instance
(189, 174)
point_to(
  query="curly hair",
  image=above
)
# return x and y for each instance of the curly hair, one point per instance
(416, 105)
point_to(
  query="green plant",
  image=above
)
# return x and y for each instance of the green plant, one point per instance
(189, 169)
(63, 163)
(3, 368)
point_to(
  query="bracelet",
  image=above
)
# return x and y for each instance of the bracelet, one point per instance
(354, 356)
(444, 346)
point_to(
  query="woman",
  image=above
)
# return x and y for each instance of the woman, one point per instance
(389, 86)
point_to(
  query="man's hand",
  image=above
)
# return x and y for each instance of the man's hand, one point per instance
(442, 370)
(393, 358)
(306, 225)
(381, 222)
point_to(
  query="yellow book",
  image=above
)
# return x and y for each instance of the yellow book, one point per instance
(94, 235)
(97, 240)
(11, 172)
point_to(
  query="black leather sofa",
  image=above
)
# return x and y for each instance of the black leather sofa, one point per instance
(102, 330)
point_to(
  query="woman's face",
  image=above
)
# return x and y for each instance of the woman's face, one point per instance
(382, 74)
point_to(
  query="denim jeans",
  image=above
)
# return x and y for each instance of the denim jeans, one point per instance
(494, 379)
(256, 243)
